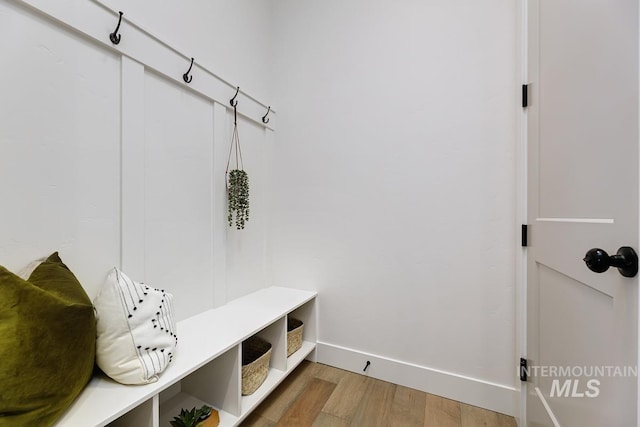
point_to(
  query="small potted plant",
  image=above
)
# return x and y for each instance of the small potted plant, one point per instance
(206, 416)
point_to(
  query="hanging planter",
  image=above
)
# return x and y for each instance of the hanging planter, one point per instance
(237, 182)
(238, 194)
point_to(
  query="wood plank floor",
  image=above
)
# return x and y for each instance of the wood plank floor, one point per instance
(322, 396)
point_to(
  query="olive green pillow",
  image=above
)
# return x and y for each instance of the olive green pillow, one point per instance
(47, 343)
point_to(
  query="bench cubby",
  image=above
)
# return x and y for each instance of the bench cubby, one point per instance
(207, 366)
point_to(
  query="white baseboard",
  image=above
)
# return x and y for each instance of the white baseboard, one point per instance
(495, 397)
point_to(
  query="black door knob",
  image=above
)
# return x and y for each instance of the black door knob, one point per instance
(626, 261)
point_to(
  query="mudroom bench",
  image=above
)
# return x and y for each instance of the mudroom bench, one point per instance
(207, 366)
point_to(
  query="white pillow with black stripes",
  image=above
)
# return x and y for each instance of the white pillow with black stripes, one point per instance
(136, 330)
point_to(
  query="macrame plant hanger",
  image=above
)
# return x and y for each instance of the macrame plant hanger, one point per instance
(237, 180)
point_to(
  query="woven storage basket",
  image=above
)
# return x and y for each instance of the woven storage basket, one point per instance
(256, 354)
(294, 335)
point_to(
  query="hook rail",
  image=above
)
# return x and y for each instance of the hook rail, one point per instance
(265, 120)
(186, 77)
(233, 101)
(115, 37)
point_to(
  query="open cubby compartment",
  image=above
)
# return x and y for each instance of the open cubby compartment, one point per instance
(143, 415)
(216, 384)
(307, 313)
(276, 334)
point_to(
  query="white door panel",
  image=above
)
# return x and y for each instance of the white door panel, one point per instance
(582, 194)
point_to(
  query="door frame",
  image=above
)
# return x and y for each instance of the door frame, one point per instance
(521, 216)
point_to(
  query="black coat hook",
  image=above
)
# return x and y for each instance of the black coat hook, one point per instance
(115, 37)
(233, 101)
(186, 77)
(264, 118)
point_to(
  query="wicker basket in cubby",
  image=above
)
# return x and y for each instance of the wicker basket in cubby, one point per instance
(256, 354)
(294, 335)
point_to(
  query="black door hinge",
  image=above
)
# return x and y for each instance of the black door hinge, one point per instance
(525, 96)
(524, 369)
(524, 236)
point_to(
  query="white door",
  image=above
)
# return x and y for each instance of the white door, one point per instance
(582, 193)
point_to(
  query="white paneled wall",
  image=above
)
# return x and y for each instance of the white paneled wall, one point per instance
(178, 192)
(59, 148)
(114, 164)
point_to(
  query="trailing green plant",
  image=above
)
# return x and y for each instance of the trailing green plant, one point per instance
(238, 198)
(237, 181)
(191, 418)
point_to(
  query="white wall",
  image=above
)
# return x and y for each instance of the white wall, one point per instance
(395, 178)
(178, 180)
(60, 148)
(113, 164)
